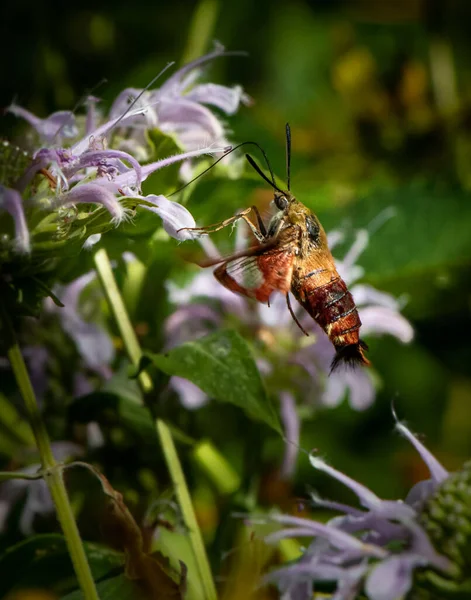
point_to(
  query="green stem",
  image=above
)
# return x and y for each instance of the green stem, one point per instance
(201, 29)
(52, 471)
(116, 304)
(133, 349)
(188, 513)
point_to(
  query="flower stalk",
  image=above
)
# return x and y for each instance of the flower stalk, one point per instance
(52, 471)
(134, 352)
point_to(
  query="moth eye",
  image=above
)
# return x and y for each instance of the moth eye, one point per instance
(281, 202)
(313, 229)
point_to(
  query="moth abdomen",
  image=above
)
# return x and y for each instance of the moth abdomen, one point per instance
(332, 306)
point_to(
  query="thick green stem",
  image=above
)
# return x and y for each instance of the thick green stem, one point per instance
(131, 343)
(201, 29)
(116, 304)
(52, 471)
(188, 512)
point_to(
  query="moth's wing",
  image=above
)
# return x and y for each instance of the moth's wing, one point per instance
(258, 275)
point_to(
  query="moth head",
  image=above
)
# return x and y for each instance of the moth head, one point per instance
(282, 200)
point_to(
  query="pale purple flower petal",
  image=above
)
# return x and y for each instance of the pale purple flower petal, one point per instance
(366, 294)
(91, 123)
(38, 498)
(175, 217)
(377, 320)
(291, 426)
(100, 133)
(357, 382)
(420, 493)
(177, 83)
(334, 391)
(191, 396)
(189, 322)
(437, 471)
(93, 343)
(336, 537)
(225, 98)
(205, 285)
(390, 528)
(91, 193)
(125, 180)
(55, 127)
(392, 578)
(365, 496)
(105, 161)
(37, 358)
(189, 120)
(142, 107)
(11, 202)
(334, 238)
(275, 315)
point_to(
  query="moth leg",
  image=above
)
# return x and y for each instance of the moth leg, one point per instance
(218, 226)
(295, 318)
(261, 224)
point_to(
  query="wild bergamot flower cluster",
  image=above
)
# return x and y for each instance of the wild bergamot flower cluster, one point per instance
(82, 175)
(386, 549)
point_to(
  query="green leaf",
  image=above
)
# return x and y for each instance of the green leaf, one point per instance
(222, 365)
(43, 561)
(164, 180)
(108, 408)
(119, 402)
(13, 425)
(114, 588)
(424, 250)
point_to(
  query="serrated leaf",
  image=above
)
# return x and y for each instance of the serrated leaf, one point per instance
(222, 365)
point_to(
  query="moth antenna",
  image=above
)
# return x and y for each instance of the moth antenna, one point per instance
(261, 173)
(167, 66)
(288, 156)
(230, 150)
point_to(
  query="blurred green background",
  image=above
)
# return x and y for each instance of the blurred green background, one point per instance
(378, 97)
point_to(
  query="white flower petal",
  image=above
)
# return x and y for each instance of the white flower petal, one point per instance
(392, 578)
(190, 395)
(12, 203)
(380, 319)
(367, 294)
(334, 391)
(360, 386)
(174, 216)
(226, 98)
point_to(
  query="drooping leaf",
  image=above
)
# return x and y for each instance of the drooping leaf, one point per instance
(153, 571)
(222, 365)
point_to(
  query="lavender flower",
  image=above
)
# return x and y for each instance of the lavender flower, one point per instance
(387, 547)
(11, 202)
(88, 172)
(179, 108)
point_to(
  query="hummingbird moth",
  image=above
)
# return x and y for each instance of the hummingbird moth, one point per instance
(292, 255)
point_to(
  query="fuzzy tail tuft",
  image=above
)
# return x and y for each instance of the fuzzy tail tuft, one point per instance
(352, 355)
